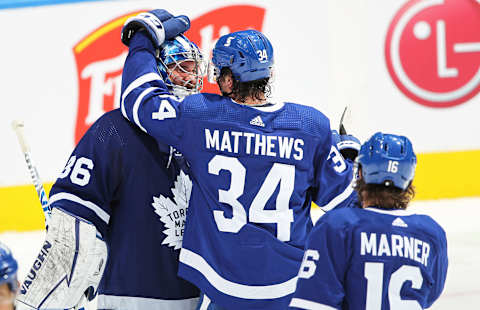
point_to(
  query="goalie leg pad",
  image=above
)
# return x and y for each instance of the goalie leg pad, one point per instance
(71, 261)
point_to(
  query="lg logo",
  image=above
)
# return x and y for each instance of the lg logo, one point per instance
(432, 51)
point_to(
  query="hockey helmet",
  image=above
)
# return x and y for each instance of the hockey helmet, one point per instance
(248, 53)
(387, 159)
(8, 268)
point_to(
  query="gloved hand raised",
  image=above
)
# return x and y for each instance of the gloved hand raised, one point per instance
(160, 25)
(348, 145)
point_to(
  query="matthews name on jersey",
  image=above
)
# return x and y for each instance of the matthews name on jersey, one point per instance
(255, 172)
(136, 193)
(372, 259)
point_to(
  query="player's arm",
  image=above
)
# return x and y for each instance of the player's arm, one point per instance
(333, 177)
(440, 266)
(73, 256)
(145, 99)
(320, 278)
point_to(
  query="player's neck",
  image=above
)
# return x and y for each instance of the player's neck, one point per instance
(250, 101)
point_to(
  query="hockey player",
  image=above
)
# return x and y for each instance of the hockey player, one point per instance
(381, 256)
(8, 278)
(256, 166)
(120, 192)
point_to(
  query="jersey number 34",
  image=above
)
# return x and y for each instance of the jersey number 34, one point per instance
(282, 215)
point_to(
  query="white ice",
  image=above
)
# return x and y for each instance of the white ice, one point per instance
(459, 217)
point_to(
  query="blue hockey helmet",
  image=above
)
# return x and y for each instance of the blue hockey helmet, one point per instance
(248, 53)
(387, 159)
(8, 268)
(171, 55)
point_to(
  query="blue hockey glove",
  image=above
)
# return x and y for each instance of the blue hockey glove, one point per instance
(175, 26)
(159, 25)
(348, 145)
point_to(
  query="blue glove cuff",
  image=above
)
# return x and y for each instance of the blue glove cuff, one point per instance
(175, 26)
(350, 142)
(348, 145)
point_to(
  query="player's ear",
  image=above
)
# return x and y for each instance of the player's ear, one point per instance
(226, 83)
(229, 81)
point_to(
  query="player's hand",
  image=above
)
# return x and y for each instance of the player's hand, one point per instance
(160, 25)
(348, 145)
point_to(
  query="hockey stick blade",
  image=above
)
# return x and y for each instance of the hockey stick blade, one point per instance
(341, 129)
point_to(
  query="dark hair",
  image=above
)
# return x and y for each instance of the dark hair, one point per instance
(387, 197)
(258, 89)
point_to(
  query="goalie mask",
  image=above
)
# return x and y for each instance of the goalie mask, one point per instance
(181, 65)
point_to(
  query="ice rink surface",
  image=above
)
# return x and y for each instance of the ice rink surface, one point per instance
(459, 217)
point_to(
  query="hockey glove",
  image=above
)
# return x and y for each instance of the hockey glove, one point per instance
(348, 145)
(159, 25)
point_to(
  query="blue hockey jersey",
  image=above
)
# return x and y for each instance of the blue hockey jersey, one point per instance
(136, 193)
(255, 172)
(372, 259)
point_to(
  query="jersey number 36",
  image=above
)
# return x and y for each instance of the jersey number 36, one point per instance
(80, 170)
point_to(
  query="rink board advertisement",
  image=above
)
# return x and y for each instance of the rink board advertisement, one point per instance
(405, 67)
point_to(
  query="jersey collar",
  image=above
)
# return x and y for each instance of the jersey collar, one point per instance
(390, 211)
(268, 107)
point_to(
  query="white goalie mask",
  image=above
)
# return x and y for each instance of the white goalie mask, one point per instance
(181, 65)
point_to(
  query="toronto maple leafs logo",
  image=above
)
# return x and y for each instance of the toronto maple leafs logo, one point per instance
(173, 214)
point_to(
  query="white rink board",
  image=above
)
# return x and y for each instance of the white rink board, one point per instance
(328, 55)
(458, 217)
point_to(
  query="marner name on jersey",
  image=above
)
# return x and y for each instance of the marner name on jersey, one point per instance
(254, 144)
(395, 245)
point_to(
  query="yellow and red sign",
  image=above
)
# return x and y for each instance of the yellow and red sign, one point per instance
(100, 57)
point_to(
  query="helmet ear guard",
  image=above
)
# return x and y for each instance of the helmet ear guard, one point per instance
(213, 73)
(388, 160)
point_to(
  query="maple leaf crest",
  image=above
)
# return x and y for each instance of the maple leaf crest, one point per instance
(173, 213)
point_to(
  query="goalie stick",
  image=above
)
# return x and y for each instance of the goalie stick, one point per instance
(37, 182)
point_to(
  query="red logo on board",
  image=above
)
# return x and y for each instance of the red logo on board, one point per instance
(432, 51)
(100, 57)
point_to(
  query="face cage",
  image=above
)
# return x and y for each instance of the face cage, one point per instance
(191, 86)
